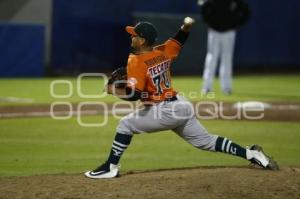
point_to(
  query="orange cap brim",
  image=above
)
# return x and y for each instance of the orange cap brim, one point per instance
(130, 30)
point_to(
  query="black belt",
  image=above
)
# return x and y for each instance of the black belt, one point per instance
(174, 98)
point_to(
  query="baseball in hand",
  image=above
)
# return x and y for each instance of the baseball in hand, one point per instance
(188, 21)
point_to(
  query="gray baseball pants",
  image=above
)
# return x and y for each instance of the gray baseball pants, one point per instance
(177, 116)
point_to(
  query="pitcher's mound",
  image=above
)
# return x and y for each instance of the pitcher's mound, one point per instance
(205, 182)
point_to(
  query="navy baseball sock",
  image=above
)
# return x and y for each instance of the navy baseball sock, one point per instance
(119, 145)
(227, 146)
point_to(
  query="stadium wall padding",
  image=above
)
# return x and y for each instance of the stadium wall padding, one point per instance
(89, 35)
(21, 50)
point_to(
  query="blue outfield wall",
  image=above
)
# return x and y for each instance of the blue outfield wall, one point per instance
(89, 35)
(271, 37)
(21, 50)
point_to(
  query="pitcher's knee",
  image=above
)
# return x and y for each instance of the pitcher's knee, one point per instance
(205, 143)
(124, 127)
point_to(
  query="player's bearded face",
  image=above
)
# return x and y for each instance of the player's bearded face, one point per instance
(137, 42)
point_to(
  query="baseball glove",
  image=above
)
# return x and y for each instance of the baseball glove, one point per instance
(118, 77)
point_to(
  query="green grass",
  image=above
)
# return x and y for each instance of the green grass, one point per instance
(259, 87)
(263, 88)
(43, 146)
(39, 90)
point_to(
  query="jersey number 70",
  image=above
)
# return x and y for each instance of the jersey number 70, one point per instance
(161, 82)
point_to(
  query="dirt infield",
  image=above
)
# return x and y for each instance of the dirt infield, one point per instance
(276, 111)
(190, 183)
(205, 182)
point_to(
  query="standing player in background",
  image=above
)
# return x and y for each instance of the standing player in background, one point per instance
(149, 80)
(223, 17)
(220, 47)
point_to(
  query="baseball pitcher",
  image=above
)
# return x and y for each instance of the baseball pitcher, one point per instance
(149, 80)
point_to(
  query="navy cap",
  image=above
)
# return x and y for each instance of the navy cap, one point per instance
(145, 30)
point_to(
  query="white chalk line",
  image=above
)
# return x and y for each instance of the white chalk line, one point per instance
(16, 99)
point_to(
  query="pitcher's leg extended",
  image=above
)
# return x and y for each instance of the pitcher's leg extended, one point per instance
(194, 133)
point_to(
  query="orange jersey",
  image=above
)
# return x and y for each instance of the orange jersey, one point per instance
(150, 72)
